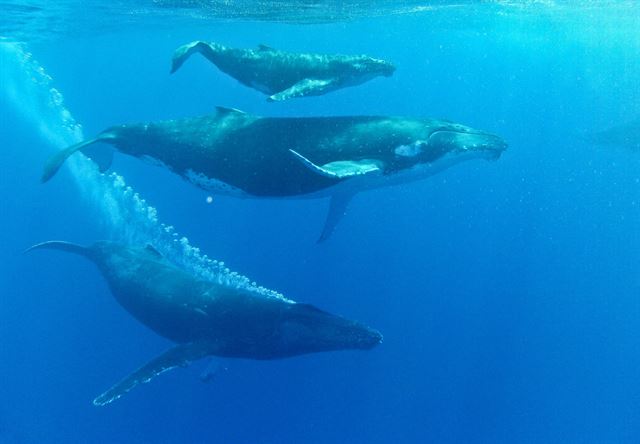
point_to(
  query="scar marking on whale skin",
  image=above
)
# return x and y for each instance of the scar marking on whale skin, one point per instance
(153, 161)
(213, 185)
(411, 150)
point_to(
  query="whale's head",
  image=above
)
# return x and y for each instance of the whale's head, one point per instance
(381, 67)
(459, 140)
(307, 329)
(368, 67)
(444, 145)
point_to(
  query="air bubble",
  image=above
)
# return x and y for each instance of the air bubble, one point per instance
(127, 215)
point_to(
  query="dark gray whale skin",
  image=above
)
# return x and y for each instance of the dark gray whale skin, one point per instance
(231, 152)
(253, 154)
(286, 75)
(206, 318)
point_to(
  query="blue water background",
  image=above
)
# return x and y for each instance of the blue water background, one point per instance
(507, 291)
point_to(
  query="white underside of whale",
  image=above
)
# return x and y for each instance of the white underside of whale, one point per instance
(343, 191)
(351, 185)
(214, 185)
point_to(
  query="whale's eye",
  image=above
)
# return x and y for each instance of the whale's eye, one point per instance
(410, 150)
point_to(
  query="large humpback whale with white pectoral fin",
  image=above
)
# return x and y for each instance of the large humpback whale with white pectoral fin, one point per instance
(210, 318)
(236, 153)
(286, 75)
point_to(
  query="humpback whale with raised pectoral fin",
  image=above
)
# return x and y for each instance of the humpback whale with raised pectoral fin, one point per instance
(235, 153)
(286, 75)
(207, 318)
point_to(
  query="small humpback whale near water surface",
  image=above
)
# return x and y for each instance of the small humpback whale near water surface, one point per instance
(626, 135)
(207, 318)
(239, 154)
(286, 75)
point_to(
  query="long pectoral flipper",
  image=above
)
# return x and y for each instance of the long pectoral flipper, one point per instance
(340, 169)
(305, 87)
(337, 209)
(55, 162)
(178, 356)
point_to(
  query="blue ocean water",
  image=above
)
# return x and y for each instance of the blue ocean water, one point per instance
(507, 291)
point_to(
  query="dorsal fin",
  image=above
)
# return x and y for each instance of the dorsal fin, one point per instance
(151, 249)
(262, 47)
(225, 110)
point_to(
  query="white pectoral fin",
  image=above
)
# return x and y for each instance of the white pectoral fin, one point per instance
(305, 87)
(337, 209)
(178, 356)
(313, 167)
(353, 168)
(342, 169)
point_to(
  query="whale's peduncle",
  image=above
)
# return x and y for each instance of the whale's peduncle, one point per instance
(55, 161)
(208, 49)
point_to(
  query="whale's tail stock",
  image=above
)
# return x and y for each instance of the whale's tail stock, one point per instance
(102, 156)
(181, 54)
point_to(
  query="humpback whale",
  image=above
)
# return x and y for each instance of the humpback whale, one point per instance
(286, 75)
(239, 154)
(626, 135)
(207, 318)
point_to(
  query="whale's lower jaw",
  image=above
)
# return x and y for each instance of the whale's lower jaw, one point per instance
(413, 174)
(426, 170)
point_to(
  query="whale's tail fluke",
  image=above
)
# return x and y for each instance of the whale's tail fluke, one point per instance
(181, 54)
(55, 162)
(60, 245)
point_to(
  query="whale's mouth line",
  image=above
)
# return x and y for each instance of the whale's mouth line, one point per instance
(483, 144)
(493, 155)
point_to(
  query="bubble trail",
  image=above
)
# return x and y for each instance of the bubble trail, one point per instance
(125, 214)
